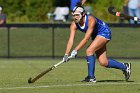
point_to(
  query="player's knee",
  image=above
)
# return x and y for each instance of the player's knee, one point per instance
(89, 52)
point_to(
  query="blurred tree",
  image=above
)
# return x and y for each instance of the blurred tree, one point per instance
(26, 10)
(36, 10)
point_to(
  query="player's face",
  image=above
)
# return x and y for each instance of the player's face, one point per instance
(77, 16)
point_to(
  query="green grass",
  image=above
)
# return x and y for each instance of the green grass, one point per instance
(14, 74)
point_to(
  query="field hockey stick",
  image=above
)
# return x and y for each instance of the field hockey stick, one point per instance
(120, 14)
(32, 80)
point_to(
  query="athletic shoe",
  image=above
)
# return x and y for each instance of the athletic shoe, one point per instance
(127, 72)
(89, 79)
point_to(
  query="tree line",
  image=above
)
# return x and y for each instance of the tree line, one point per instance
(36, 10)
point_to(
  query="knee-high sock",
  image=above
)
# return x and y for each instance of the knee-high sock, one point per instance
(115, 64)
(91, 65)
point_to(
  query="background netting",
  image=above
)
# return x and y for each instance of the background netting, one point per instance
(43, 42)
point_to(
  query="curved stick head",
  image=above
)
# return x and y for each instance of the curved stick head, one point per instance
(30, 80)
(111, 10)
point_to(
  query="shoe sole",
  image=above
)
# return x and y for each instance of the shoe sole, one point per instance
(129, 67)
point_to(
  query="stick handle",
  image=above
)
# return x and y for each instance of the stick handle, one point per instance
(58, 63)
(61, 62)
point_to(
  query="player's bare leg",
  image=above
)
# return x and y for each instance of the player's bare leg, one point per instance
(98, 43)
(110, 63)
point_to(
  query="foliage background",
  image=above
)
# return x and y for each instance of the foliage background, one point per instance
(36, 10)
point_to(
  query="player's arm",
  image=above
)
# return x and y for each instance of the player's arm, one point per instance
(91, 24)
(1, 21)
(71, 38)
(83, 1)
(126, 2)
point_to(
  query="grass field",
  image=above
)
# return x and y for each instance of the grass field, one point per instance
(14, 74)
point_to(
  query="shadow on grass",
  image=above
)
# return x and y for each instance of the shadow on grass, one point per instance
(113, 81)
(109, 81)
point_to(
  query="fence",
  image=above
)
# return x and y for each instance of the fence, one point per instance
(49, 40)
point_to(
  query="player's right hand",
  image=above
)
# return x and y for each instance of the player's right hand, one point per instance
(73, 54)
(65, 58)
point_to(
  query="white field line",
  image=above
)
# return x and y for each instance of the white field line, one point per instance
(67, 85)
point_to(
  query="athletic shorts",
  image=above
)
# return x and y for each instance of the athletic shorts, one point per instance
(103, 32)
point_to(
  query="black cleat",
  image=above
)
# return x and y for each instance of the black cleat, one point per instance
(127, 72)
(89, 79)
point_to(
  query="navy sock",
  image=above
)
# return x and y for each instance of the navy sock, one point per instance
(91, 65)
(115, 64)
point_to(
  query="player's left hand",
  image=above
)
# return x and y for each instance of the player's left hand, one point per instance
(65, 58)
(73, 54)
